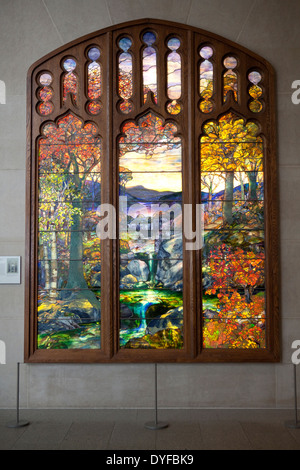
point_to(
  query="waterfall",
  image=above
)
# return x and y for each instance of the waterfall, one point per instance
(139, 308)
(150, 264)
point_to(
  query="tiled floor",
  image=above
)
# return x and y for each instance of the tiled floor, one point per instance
(125, 429)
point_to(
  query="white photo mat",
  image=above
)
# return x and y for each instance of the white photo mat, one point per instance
(10, 269)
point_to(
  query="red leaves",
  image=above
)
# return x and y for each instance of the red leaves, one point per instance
(240, 318)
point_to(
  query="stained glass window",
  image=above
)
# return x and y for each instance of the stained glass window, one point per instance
(230, 78)
(94, 81)
(70, 80)
(137, 135)
(233, 268)
(125, 75)
(69, 258)
(151, 278)
(255, 92)
(45, 93)
(206, 79)
(149, 65)
(174, 76)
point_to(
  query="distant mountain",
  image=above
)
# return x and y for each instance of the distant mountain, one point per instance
(220, 194)
(142, 193)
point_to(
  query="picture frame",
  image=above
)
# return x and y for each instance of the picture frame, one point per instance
(10, 269)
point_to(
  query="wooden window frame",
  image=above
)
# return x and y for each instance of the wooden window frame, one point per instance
(190, 122)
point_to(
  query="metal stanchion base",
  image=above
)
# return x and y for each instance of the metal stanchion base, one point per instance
(153, 425)
(292, 425)
(17, 424)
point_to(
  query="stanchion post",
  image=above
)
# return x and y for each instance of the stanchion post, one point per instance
(155, 425)
(18, 423)
(294, 424)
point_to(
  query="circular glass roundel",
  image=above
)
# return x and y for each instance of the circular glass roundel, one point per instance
(254, 77)
(206, 52)
(173, 44)
(149, 38)
(45, 79)
(230, 62)
(94, 107)
(69, 65)
(125, 44)
(94, 53)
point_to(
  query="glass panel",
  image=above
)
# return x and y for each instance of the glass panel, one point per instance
(125, 75)
(255, 91)
(247, 186)
(94, 74)
(206, 80)
(245, 215)
(73, 324)
(218, 242)
(69, 273)
(149, 66)
(174, 76)
(232, 191)
(45, 79)
(234, 297)
(45, 108)
(150, 233)
(45, 94)
(94, 81)
(230, 78)
(242, 333)
(70, 80)
(63, 187)
(151, 319)
(58, 215)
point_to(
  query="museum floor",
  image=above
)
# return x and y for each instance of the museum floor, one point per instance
(192, 429)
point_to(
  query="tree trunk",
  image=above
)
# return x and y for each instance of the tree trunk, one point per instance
(252, 196)
(248, 294)
(53, 273)
(47, 267)
(210, 196)
(242, 188)
(228, 198)
(76, 279)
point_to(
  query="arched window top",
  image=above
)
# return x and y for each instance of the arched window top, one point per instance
(165, 116)
(225, 72)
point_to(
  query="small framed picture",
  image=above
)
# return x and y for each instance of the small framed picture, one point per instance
(10, 269)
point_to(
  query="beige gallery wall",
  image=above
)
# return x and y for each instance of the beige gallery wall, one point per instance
(30, 29)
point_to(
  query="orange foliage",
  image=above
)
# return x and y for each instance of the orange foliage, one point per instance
(240, 319)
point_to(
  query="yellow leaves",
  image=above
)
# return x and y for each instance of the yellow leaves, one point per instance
(231, 145)
(212, 135)
(231, 167)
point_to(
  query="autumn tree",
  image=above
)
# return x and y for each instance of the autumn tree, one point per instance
(72, 149)
(56, 213)
(229, 146)
(235, 275)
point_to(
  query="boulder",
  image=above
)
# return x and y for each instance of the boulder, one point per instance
(172, 247)
(96, 279)
(172, 319)
(128, 282)
(139, 269)
(125, 311)
(170, 274)
(65, 315)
